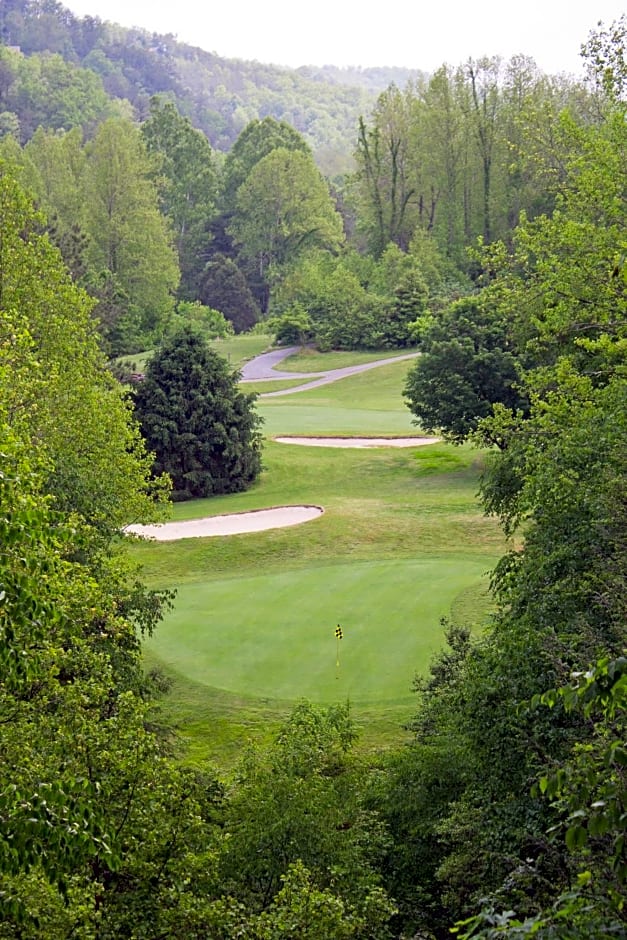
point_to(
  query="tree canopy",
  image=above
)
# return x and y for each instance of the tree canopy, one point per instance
(283, 208)
(468, 363)
(60, 395)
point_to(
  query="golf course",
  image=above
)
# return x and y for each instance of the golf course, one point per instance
(401, 543)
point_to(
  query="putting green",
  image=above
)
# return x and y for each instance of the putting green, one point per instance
(273, 635)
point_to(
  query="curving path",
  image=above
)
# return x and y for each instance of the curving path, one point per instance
(262, 369)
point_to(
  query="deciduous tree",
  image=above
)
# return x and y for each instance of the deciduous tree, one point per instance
(57, 391)
(468, 364)
(133, 264)
(282, 209)
(188, 190)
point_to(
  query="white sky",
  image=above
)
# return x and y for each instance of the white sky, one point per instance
(370, 32)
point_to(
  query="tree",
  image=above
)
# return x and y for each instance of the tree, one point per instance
(134, 270)
(300, 803)
(292, 326)
(468, 364)
(443, 128)
(188, 191)
(606, 59)
(283, 208)
(56, 389)
(53, 93)
(386, 175)
(397, 278)
(223, 287)
(256, 141)
(100, 832)
(202, 428)
(558, 482)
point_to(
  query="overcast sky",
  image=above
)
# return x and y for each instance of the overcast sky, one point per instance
(354, 32)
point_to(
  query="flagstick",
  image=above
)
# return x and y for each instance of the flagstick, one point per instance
(338, 637)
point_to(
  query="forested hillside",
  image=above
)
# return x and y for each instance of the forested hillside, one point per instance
(75, 71)
(483, 220)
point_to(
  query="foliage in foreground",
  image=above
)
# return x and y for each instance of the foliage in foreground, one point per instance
(529, 827)
(103, 834)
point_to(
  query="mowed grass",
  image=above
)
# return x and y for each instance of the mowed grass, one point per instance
(263, 386)
(378, 503)
(236, 349)
(310, 360)
(402, 542)
(272, 635)
(369, 403)
(239, 349)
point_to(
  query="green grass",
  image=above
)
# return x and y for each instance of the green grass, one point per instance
(236, 349)
(239, 349)
(378, 503)
(310, 360)
(136, 360)
(402, 542)
(370, 403)
(272, 634)
(271, 385)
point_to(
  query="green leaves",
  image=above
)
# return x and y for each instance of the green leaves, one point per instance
(283, 208)
(188, 184)
(129, 239)
(590, 789)
(54, 383)
(468, 364)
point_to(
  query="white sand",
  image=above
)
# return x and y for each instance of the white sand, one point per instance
(234, 524)
(359, 441)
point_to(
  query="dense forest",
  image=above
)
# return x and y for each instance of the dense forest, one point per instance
(478, 213)
(73, 71)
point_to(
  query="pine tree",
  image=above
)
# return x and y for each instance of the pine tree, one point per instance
(202, 428)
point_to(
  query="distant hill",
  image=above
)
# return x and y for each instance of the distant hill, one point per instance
(219, 95)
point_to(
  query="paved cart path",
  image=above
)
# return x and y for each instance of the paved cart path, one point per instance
(263, 369)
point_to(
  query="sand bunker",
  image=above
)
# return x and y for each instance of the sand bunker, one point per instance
(359, 441)
(235, 523)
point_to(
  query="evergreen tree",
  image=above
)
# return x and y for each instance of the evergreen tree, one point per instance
(202, 428)
(223, 287)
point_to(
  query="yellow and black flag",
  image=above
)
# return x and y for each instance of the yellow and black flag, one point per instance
(338, 637)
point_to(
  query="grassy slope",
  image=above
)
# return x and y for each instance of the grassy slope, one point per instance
(369, 403)
(402, 542)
